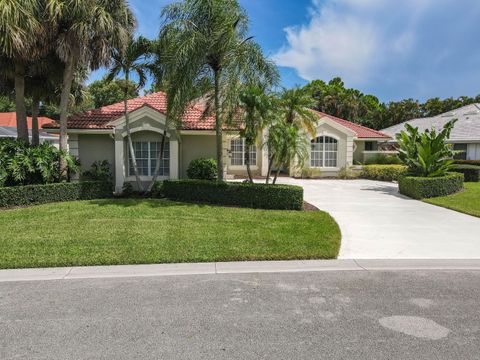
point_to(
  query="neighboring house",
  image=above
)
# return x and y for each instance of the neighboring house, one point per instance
(8, 127)
(465, 134)
(100, 134)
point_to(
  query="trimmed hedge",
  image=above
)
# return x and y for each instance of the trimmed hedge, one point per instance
(383, 172)
(471, 172)
(426, 187)
(41, 194)
(257, 196)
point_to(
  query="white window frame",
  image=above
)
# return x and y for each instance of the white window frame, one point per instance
(163, 171)
(323, 153)
(253, 153)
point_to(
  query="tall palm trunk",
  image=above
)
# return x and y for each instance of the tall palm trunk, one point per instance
(247, 160)
(276, 175)
(21, 113)
(218, 127)
(269, 170)
(64, 99)
(35, 130)
(159, 159)
(129, 135)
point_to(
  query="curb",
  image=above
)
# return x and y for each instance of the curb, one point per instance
(125, 271)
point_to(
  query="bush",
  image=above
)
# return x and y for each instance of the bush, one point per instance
(157, 190)
(310, 173)
(262, 196)
(99, 171)
(127, 189)
(383, 159)
(21, 164)
(40, 194)
(383, 172)
(202, 169)
(470, 172)
(467, 162)
(428, 187)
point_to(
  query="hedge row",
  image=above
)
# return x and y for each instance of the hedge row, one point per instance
(40, 194)
(471, 172)
(257, 196)
(383, 172)
(426, 187)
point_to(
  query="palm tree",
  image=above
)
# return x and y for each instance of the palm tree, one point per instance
(132, 60)
(256, 106)
(20, 32)
(295, 104)
(87, 32)
(208, 40)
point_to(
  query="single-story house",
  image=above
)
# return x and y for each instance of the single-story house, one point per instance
(100, 134)
(465, 135)
(8, 127)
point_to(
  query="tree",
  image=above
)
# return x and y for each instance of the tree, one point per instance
(256, 108)
(295, 107)
(132, 60)
(426, 154)
(20, 33)
(208, 40)
(87, 32)
(106, 92)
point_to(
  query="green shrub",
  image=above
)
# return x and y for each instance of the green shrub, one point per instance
(40, 194)
(383, 172)
(262, 196)
(202, 169)
(383, 159)
(428, 187)
(309, 173)
(157, 190)
(127, 189)
(471, 172)
(467, 162)
(21, 164)
(99, 171)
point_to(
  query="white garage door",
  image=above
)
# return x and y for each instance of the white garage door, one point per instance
(473, 152)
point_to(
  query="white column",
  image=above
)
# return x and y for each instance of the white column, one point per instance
(119, 164)
(174, 159)
(264, 152)
(350, 149)
(73, 150)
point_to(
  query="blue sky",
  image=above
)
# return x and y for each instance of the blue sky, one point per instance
(389, 48)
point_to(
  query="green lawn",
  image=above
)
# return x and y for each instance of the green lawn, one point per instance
(132, 231)
(467, 201)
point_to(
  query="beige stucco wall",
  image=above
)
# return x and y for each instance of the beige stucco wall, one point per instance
(358, 153)
(193, 147)
(93, 148)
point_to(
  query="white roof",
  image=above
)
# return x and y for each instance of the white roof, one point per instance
(467, 127)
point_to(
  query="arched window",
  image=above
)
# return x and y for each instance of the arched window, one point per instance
(324, 152)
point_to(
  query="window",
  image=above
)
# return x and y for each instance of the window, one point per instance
(369, 146)
(324, 152)
(237, 151)
(146, 154)
(462, 151)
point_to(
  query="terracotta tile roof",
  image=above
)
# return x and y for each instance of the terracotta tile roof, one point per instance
(10, 119)
(100, 118)
(361, 131)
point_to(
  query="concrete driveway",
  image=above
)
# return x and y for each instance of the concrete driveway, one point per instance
(379, 223)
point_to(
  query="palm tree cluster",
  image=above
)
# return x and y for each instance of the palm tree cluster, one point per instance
(46, 44)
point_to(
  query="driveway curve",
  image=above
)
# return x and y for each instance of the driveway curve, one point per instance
(379, 223)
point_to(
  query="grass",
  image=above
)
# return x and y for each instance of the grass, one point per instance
(139, 231)
(467, 201)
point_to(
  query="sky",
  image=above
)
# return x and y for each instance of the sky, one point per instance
(388, 48)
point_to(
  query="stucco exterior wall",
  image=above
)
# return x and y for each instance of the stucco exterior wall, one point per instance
(358, 153)
(193, 147)
(93, 148)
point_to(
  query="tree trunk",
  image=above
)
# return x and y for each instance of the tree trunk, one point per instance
(247, 160)
(269, 170)
(159, 159)
(129, 136)
(64, 99)
(21, 113)
(276, 175)
(218, 127)
(35, 130)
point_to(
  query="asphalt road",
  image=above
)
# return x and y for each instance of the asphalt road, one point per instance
(317, 315)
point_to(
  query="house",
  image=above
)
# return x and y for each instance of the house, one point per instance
(8, 127)
(100, 134)
(465, 135)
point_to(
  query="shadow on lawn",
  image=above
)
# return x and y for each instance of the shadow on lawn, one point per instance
(132, 202)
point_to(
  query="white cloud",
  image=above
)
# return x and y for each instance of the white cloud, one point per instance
(351, 38)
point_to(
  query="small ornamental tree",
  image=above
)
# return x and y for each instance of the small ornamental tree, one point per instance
(426, 154)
